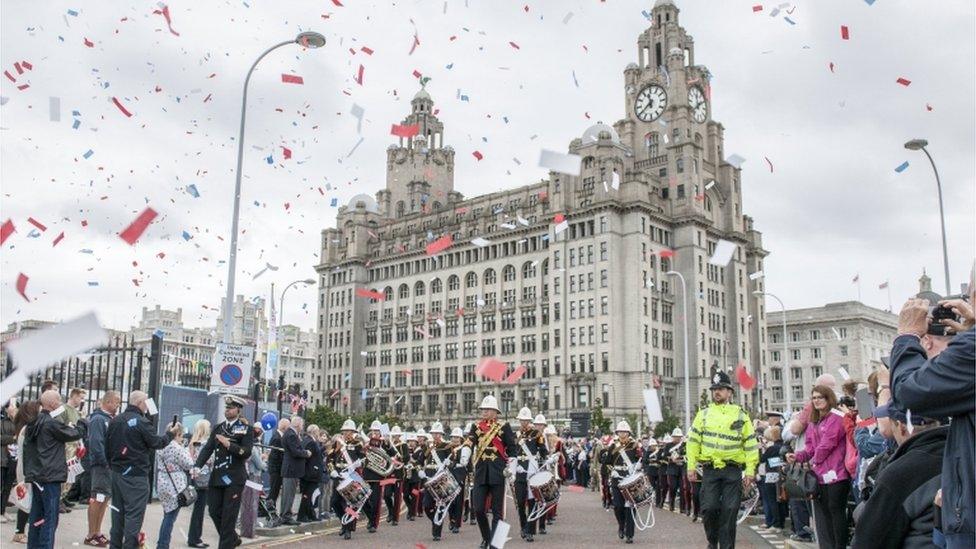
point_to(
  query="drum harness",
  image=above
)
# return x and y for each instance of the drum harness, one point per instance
(640, 522)
(540, 508)
(349, 473)
(441, 510)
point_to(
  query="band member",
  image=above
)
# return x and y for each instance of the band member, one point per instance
(677, 459)
(605, 472)
(230, 445)
(378, 467)
(393, 493)
(418, 454)
(343, 462)
(493, 446)
(661, 458)
(557, 464)
(460, 458)
(436, 459)
(623, 457)
(411, 478)
(531, 455)
(722, 440)
(650, 465)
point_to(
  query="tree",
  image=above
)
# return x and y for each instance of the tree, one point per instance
(665, 427)
(598, 422)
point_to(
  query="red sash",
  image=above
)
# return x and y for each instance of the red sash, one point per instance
(483, 426)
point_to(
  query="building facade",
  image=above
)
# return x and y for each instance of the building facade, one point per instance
(823, 340)
(297, 360)
(567, 276)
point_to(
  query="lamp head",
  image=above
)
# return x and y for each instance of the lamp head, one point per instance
(309, 281)
(310, 39)
(757, 293)
(916, 144)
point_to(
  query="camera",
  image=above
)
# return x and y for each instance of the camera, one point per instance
(848, 401)
(938, 313)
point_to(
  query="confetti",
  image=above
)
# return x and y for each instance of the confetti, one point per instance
(135, 230)
(722, 254)
(22, 286)
(568, 164)
(757, 8)
(478, 155)
(121, 107)
(336, 2)
(359, 75)
(59, 238)
(500, 536)
(831, 66)
(480, 242)
(514, 45)
(164, 11)
(89, 43)
(405, 131)
(292, 79)
(845, 33)
(902, 167)
(561, 223)
(904, 82)
(286, 152)
(735, 160)
(516, 375)
(439, 245)
(192, 191)
(36, 223)
(770, 164)
(367, 51)
(357, 112)
(666, 254)
(745, 380)
(7, 230)
(491, 368)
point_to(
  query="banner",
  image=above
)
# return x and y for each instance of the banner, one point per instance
(232, 369)
(271, 367)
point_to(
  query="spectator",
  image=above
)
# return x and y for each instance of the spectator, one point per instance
(173, 463)
(901, 509)
(799, 422)
(325, 485)
(249, 497)
(292, 468)
(275, 459)
(824, 449)
(25, 416)
(939, 387)
(46, 469)
(99, 475)
(128, 446)
(312, 477)
(201, 433)
(74, 491)
(774, 510)
(8, 461)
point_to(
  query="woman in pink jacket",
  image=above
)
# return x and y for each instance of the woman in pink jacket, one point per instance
(825, 449)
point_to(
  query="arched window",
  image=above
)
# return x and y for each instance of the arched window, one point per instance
(698, 139)
(508, 273)
(528, 270)
(436, 286)
(651, 141)
(545, 267)
(588, 162)
(470, 280)
(453, 282)
(388, 293)
(490, 277)
(418, 288)
(403, 292)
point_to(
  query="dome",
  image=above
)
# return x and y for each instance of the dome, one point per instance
(600, 131)
(367, 201)
(659, 3)
(631, 66)
(422, 94)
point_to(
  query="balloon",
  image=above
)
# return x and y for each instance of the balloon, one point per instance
(269, 421)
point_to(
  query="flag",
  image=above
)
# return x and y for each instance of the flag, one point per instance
(883, 285)
(272, 365)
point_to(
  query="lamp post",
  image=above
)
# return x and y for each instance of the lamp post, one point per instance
(308, 40)
(919, 145)
(684, 300)
(786, 351)
(281, 302)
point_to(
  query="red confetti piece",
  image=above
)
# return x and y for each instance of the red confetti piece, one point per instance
(292, 79)
(559, 218)
(359, 75)
(169, 23)
(416, 73)
(336, 2)
(770, 164)
(38, 523)
(22, 286)
(9, 76)
(121, 107)
(27, 65)
(286, 152)
(666, 253)
(161, 255)
(757, 7)
(58, 239)
(439, 245)
(587, 115)
(366, 50)
(135, 230)
(516, 374)
(845, 33)
(575, 488)
(84, 222)
(17, 68)
(746, 381)
(526, 8)
(89, 43)
(420, 546)
(371, 294)
(831, 66)
(36, 223)
(516, 46)
(491, 368)
(23, 87)
(904, 81)
(6, 230)
(478, 155)
(405, 131)
(928, 107)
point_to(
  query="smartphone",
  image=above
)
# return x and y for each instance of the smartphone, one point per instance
(865, 404)
(175, 417)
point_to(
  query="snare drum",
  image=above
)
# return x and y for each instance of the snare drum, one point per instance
(354, 492)
(443, 487)
(544, 487)
(637, 490)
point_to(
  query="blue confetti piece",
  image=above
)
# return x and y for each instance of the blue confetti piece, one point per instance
(464, 98)
(505, 118)
(347, 376)
(75, 113)
(93, 283)
(869, 2)
(363, 394)
(158, 333)
(902, 167)
(575, 81)
(646, 14)
(88, 154)
(76, 123)
(132, 422)
(129, 468)
(256, 203)
(450, 66)
(334, 202)
(34, 233)
(270, 159)
(226, 479)
(186, 236)
(192, 189)
(73, 13)
(85, 251)
(790, 21)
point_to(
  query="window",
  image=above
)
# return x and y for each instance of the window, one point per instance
(453, 282)
(470, 280)
(508, 273)
(436, 286)
(794, 336)
(403, 292)
(604, 252)
(843, 350)
(774, 355)
(817, 352)
(795, 354)
(490, 277)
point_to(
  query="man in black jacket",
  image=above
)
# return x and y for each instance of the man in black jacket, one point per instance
(230, 443)
(493, 450)
(292, 468)
(128, 446)
(275, 460)
(901, 509)
(45, 468)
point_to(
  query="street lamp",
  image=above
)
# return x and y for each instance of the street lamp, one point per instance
(305, 39)
(919, 145)
(281, 302)
(786, 352)
(684, 299)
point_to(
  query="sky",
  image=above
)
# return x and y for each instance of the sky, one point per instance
(827, 113)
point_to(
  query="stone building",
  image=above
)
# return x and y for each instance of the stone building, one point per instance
(296, 360)
(566, 276)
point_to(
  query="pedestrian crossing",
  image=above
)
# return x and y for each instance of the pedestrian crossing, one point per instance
(771, 537)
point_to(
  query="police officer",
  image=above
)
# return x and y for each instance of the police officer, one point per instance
(460, 457)
(493, 444)
(623, 458)
(722, 441)
(531, 455)
(230, 444)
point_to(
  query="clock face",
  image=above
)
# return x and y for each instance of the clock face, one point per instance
(699, 107)
(650, 103)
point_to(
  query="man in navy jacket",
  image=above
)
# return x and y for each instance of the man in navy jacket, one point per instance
(939, 387)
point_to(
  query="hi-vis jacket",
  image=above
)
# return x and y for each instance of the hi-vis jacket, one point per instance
(723, 434)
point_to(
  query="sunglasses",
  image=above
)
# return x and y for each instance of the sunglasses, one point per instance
(818, 398)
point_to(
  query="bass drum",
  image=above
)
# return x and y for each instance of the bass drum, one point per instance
(544, 487)
(354, 492)
(637, 490)
(443, 487)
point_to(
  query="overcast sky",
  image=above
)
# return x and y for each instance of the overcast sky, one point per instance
(832, 207)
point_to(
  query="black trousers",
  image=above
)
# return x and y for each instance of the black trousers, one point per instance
(696, 498)
(338, 505)
(275, 489)
(412, 498)
(224, 503)
(195, 532)
(674, 483)
(306, 507)
(660, 487)
(830, 504)
(479, 497)
(625, 517)
(430, 507)
(457, 505)
(524, 506)
(390, 493)
(372, 507)
(721, 494)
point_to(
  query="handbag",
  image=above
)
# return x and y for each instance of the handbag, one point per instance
(185, 498)
(801, 483)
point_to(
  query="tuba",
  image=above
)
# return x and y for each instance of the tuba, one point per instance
(378, 461)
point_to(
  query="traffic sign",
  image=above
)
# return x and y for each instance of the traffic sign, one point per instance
(231, 369)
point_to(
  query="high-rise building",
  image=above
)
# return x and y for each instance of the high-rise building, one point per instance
(567, 276)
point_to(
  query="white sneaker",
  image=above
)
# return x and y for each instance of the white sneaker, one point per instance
(4, 519)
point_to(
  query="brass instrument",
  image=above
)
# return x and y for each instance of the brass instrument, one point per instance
(378, 461)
